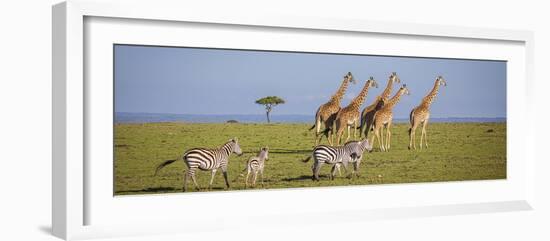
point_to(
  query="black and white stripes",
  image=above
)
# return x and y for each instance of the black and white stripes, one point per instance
(255, 165)
(350, 152)
(207, 160)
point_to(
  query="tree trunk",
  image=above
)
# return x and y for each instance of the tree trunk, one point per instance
(267, 113)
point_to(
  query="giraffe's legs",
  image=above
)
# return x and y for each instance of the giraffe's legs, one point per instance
(388, 138)
(422, 133)
(372, 138)
(339, 131)
(381, 135)
(412, 135)
(355, 130)
(349, 133)
(377, 130)
(412, 131)
(317, 131)
(368, 123)
(425, 133)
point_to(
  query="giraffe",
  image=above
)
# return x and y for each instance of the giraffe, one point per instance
(349, 115)
(368, 113)
(383, 118)
(421, 115)
(326, 113)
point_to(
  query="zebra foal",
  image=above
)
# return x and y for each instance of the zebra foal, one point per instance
(350, 152)
(206, 160)
(255, 165)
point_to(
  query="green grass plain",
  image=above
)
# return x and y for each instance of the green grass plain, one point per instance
(457, 151)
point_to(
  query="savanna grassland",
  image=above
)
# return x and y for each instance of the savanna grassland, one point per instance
(457, 151)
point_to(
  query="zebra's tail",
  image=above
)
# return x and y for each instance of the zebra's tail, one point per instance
(165, 163)
(240, 174)
(242, 171)
(313, 126)
(307, 159)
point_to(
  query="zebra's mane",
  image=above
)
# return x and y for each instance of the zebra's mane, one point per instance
(349, 142)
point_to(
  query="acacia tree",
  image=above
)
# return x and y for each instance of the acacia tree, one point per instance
(269, 102)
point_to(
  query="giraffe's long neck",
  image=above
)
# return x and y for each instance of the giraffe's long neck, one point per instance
(387, 91)
(358, 101)
(427, 101)
(394, 100)
(337, 97)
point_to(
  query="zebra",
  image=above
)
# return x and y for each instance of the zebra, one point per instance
(351, 152)
(255, 165)
(206, 160)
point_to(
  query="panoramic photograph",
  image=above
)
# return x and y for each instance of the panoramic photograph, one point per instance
(192, 119)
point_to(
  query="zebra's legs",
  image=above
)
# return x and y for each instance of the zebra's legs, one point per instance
(185, 181)
(345, 166)
(335, 167)
(191, 173)
(224, 171)
(262, 176)
(246, 179)
(212, 178)
(255, 176)
(356, 165)
(316, 169)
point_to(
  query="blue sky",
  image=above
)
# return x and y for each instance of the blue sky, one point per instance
(150, 79)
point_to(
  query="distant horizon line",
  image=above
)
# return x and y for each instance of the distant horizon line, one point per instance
(406, 117)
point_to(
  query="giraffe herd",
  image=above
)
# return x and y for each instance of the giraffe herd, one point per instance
(376, 117)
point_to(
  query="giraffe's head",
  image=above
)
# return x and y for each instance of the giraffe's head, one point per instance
(372, 83)
(441, 81)
(404, 90)
(395, 78)
(236, 148)
(349, 77)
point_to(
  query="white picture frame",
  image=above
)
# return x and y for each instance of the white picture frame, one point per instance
(73, 192)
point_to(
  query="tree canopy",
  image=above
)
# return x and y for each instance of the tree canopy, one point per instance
(269, 102)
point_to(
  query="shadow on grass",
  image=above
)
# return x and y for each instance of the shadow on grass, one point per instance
(151, 190)
(288, 151)
(302, 177)
(168, 190)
